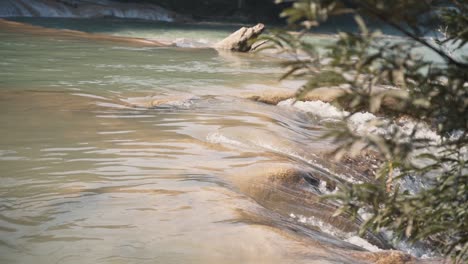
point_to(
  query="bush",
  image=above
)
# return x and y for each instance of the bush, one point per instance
(432, 93)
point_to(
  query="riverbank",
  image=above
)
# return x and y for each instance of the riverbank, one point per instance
(169, 11)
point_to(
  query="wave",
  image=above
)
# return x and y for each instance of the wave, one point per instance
(325, 227)
(84, 9)
(361, 122)
(181, 101)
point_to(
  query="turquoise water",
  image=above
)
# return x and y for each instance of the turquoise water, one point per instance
(121, 154)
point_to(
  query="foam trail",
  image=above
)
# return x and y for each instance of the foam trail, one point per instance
(349, 237)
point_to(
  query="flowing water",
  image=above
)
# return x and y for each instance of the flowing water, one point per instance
(85, 8)
(114, 153)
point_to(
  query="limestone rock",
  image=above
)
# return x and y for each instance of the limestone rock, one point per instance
(240, 40)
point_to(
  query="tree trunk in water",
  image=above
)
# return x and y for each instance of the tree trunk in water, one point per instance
(241, 40)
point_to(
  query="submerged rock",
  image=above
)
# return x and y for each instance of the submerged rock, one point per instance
(241, 40)
(296, 193)
(273, 97)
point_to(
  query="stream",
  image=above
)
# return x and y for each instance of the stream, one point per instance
(116, 153)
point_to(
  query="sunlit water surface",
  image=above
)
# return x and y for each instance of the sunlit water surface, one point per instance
(118, 154)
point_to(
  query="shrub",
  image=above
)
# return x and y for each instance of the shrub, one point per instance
(432, 92)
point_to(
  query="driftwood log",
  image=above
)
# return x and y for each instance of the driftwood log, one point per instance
(241, 40)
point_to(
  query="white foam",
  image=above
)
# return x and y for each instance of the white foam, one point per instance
(115, 132)
(218, 138)
(323, 188)
(324, 227)
(331, 230)
(414, 250)
(112, 105)
(161, 101)
(189, 43)
(317, 108)
(90, 96)
(183, 103)
(365, 123)
(361, 122)
(360, 242)
(423, 131)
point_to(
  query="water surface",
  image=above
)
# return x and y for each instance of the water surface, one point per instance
(121, 154)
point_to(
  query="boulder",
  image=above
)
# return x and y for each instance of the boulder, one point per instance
(241, 39)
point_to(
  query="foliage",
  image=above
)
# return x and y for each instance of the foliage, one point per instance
(433, 93)
(236, 10)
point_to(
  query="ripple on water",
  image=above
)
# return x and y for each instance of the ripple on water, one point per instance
(149, 155)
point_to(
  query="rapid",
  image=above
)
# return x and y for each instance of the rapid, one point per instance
(114, 152)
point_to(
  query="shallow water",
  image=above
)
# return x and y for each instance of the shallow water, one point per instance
(122, 154)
